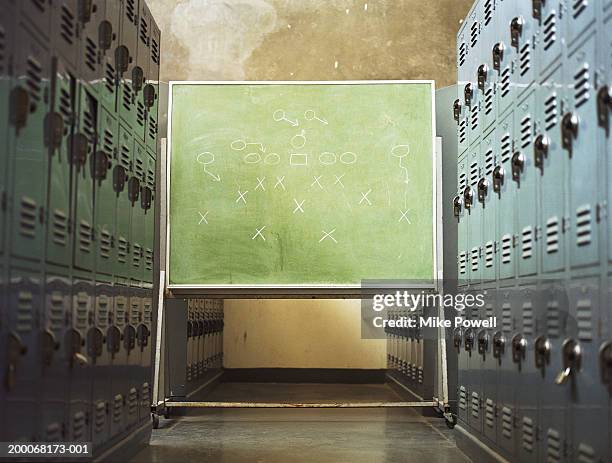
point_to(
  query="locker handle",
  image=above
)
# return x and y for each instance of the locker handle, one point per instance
(498, 55)
(605, 362)
(95, 340)
(137, 78)
(519, 347)
(133, 189)
(518, 165)
(468, 343)
(122, 59)
(457, 110)
(542, 350)
(468, 197)
(142, 335)
(129, 337)
(499, 175)
(516, 30)
(536, 9)
(54, 130)
(79, 146)
(113, 335)
(499, 344)
(16, 349)
(49, 345)
(572, 358)
(74, 342)
(540, 150)
(20, 108)
(100, 164)
(483, 71)
(150, 96)
(468, 93)
(146, 197)
(119, 179)
(483, 189)
(604, 106)
(105, 35)
(457, 205)
(483, 342)
(569, 131)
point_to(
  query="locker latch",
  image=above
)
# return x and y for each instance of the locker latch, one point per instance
(483, 342)
(74, 342)
(457, 205)
(571, 353)
(95, 342)
(105, 35)
(129, 338)
(54, 130)
(604, 106)
(468, 197)
(16, 349)
(536, 8)
(569, 131)
(457, 338)
(79, 146)
(516, 30)
(113, 338)
(498, 55)
(142, 335)
(133, 189)
(518, 165)
(519, 348)
(483, 71)
(49, 345)
(99, 166)
(542, 349)
(137, 78)
(483, 189)
(468, 343)
(146, 197)
(499, 175)
(499, 345)
(122, 59)
(605, 362)
(540, 150)
(20, 108)
(149, 96)
(119, 179)
(468, 94)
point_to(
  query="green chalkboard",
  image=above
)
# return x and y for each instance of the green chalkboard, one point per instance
(298, 184)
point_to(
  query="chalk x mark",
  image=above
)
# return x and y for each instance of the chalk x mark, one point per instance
(339, 180)
(260, 184)
(258, 232)
(242, 196)
(298, 205)
(317, 181)
(404, 216)
(364, 197)
(328, 235)
(279, 181)
(203, 218)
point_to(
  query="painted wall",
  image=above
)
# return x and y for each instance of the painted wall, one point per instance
(305, 40)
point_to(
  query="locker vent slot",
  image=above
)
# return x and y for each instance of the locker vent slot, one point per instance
(151, 177)
(85, 236)
(122, 250)
(144, 31)
(475, 405)
(103, 309)
(462, 53)
(489, 161)
(109, 141)
(145, 394)
(130, 10)
(550, 111)
(489, 252)
(525, 58)
(109, 78)
(148, 256)
(40, 4)
(462, 131)
(56, 312)
(582, 85)
(82, 311)
(100, 417)
(27, 217)
(526, 131)
(586, 454)
(25, 311)
(154, 52)
(462, 181)
(474, 173)
(584, 320)
(139, 168)
(147, 311)
(507, 422)
(527, 243)
(552, 235)
(505, 82)
(125, 156)
(489, 99)
(474, 117)
(60, 228)
(553, 447)
(106, 241)
(133, 402)
(34, 79)
(506, 317)
(474, 259)
(140, 114)
(578, 6)
(120, 304)
(65, 106)
(506, 245)
(91, 53)
(506, 147)
(53, 432)
(127, 96)
(79, 421)
(152, 128)
(528, 439)
(488, 12)
(117, 408)
(462, 398)
(136, 255)
(67, 26)
(474, 34)
(553, 320)
(583, 225)
(528, 319)
(550, 30)
(462, 263)
(89, 124)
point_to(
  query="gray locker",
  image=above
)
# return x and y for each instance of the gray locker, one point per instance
(551, 161)
(503, 56)
(125, 191)
(134, 355)
(144, 344)
(488, 197)
(489, 367)
(581, 16)
(461, 214)
(474, 217)
(96, 37)
(143, 53)
(66, 22)
(147, 203)
(521, 30)
(459, 112)
(476, 373)
(551, 30)
(506, 203)
(486, 75)
(150, 94)
(122, 342)
(523, 174)
(38, 14)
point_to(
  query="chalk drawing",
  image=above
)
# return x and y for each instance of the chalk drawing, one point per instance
(207, 158)
(348, 158)
(240, 145)
(258, 232)
(260, 184)
(272, 159)
(203, 218)
(252, 158)
(402, 152)
(338, 180)
(328, 235)
(299, 140)
(298, 159)
(298, 205)
(327, 158)
(364, 197)
(311, 115)
(404, 216)
(280, 116)
(279, 181)
(242, 196)
(317, 181)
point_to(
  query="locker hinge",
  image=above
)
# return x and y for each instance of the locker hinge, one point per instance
(602, 211)
(537, 233)
(604, 106)
(514, 241)
(566, 224)
(4, 201)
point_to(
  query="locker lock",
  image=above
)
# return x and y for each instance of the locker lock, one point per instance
(518, 165)
(142, 335)
(536, 8)
(74, 342)
(483, 189)
(95, 342)
(129, 338)
(100, 164)
(499, 175)
(16, 349)
(149, 96)
(457, 205)
(468, 94)
(133, 189)
(79, 146)
(542, 349)
(105, 35)
(483, 71)
(137, 78)
(483, 342)
(119, 178)
(457, 338)
(468, 197)
(49, 345)
(540, 150)
(468, 343)
(122, 59)
(54, 130)
(499, 344)
(569, 131)
(605, 362)
(519, 348)
(571, 353)
(113, 337)
(498, 55)
(20, 108)
(146, 198)
(516, 30)
(604, 107)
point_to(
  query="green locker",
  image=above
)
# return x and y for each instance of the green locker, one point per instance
(461, 215)
(122, 174)
(59, 138)
(148, 204)
(507, 200)
(84, 157)
(105, 193)
(136, 185)
(523, 175)
(6, 43)
(28, 111)
(108, 84)
(489, 199)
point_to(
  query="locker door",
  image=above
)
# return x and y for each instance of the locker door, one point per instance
(474, 216)
(507, 202)
(66, 18)
(553, 409)
(122, 344)
(6, 43)
(136, 184)
(148, 205)
(151, 90)
(134, 357)
(589, 393)
(144, 43)
(521, 30)
(486, 75)
(489, 199)
(605, 59)
(23, 372)
(84, 153)
(581, 17)
(4, 330)
(144, 344)
(551, 30)
(122, 173)
(523, 175)
(490, 368)
(460, 115)
(108, 34)
(579, 139)
(55, 324)
(190, 338)
(503, 55)
(28, 113)
(38, 14)
(60, 127)
(476, 373)
(95, 40)
(130, 77)
(551, 161)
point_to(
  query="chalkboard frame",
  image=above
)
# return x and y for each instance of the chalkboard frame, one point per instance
(304, 290)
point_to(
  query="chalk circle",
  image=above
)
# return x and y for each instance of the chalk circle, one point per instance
(348, 158)
(327, 158)
(252, 158)
(400, 151)
(299, 140)
(309, 115)
(272, 159)
(238, 145)
(205, 158)
(279, 115)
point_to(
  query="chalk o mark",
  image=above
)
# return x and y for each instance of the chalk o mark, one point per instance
(272, 159)
(252, 158)
(400, 151)
(299, 140)
(327, 158)
(348, 158)
(205, 158)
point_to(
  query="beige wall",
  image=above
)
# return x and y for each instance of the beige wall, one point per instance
(306, 40)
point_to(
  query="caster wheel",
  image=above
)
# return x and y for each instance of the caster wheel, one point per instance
(451, 420)
(155, 419)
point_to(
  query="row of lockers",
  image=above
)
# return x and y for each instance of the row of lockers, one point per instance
(204, 337)
(405, 350)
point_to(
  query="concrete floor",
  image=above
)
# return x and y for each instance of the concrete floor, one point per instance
(302, 435)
